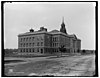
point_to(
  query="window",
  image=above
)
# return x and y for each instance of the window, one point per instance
(41, 50)
(37, 38)
(55, 44)
(32, 38)
(29, 38)
(20, 44)
(21, 50)
(26, 44)
(57, 50)
(54, 50)
(55, 38)
(30, 44)
(26, 50)
(41, 43)
(41, 38)
(33, 44)
(33, 49)
(26, 39)
(21, 39)
(38, 44)
(30, 50)
(37, 49)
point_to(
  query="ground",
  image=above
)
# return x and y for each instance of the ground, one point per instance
(77, 65)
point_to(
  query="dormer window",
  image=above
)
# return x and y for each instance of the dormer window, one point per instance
(31, 30)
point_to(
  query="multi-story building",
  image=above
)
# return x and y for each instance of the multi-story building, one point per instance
(45, 42)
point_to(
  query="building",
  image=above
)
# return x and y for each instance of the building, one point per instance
(45, 42)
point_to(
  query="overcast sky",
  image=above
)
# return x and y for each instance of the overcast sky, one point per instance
(79, 19)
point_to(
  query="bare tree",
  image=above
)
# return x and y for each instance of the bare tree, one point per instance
(62, 49)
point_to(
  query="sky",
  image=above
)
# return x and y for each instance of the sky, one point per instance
(79, 19)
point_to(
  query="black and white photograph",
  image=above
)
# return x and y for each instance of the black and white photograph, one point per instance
(49, 39)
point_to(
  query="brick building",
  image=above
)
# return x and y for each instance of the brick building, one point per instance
(45, 42)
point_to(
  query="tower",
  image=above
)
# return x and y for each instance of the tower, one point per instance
(63, 29)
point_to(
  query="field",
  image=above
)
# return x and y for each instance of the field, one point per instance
(76, 65)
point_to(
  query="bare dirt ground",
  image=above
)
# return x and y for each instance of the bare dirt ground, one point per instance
(78, 65)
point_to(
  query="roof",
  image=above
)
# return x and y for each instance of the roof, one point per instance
(53, 32)
(57, 32)
(73, 35)
(31, 33)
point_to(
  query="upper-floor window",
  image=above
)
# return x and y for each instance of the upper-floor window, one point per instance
(56, 44)
(21, 44)
(29, 44)
(33, 49)
(21, 39)
(29, 50)
(32, 38)
(38, 44)
(55, 38)
(53, 45)
(21, 50)
(33, 44)
(52, 39)
(41, 43)
(37, 49)
(37, 38)
(26, 44)
(27, 39)
(41, 38)
(26, 50)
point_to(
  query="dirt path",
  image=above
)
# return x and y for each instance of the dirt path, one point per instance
(63, 66)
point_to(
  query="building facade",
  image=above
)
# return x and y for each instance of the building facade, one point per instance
(45, 42)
